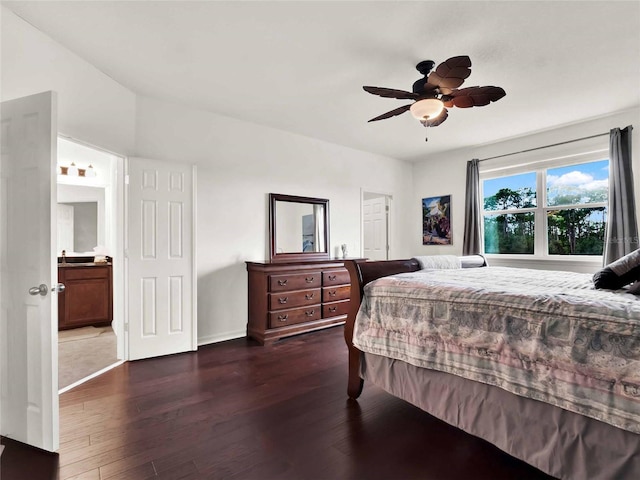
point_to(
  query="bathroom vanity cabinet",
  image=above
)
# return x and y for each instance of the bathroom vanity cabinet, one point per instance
(88, 295)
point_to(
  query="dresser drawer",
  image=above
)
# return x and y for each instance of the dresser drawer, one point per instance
(335, 277)
(300, 298)
(335, 309)
(292, 316)
(294, 281)
(332, 294)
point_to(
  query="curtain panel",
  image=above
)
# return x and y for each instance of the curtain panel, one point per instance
(621, 235)
(472, 243)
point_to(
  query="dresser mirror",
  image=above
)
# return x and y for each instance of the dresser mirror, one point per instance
(298, 228)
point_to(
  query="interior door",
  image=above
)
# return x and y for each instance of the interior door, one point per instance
(374, 224)
(161, 258)
(28, 270)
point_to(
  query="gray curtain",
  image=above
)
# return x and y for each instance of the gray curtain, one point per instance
(472, 244)
(622, 231)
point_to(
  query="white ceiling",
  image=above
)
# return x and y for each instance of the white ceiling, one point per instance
(300, 66)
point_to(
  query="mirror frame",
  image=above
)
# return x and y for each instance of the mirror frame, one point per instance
(274, 256)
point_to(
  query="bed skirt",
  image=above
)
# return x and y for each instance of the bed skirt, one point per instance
(563, 444)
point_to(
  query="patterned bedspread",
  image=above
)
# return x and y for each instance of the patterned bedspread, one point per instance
(540, 334)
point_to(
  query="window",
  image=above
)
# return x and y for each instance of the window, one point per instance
(547, 211)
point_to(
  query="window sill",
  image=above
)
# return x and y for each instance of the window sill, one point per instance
(572, 264)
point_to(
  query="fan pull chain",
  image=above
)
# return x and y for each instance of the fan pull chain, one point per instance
(426, 126)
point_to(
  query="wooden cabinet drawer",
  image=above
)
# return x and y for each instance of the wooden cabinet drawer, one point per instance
(332, 294)
(294, 281)
(335, 309)
(300, 298)
(335, 277)
(84, 273)
(295, 315)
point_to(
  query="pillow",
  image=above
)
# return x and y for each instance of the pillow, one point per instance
(437, 262)
(617, 274)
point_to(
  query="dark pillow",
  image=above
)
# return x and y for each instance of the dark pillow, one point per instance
(617, 274)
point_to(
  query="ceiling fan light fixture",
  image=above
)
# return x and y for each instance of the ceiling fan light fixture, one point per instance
(427, 108)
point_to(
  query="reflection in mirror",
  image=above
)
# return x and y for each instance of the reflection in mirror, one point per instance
(77, 226)
(81, 219)
(299, 227)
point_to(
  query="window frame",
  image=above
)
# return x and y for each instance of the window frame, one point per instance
(539, 165)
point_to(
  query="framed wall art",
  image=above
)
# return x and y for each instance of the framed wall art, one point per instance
(436, 220)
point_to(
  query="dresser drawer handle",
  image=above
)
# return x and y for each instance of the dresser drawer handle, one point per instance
(309, 279)
(283, 318)
(282, 283)
(333, 309)
(308, 296)
(333, 293)
(332, 277)
(282, 301)
(309, 313)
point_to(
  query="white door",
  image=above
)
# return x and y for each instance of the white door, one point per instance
(374, 224)
(161, 256)
(28, 270)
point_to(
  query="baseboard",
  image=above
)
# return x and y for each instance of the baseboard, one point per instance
(221, 337)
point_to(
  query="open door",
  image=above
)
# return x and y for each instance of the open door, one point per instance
(28, 272)
(161, 291)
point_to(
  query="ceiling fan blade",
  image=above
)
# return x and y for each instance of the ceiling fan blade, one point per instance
(450, 74)
(474, 96)
(391, 93)
(392, 113)
(434, 122)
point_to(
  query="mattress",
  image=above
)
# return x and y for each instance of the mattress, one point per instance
(544, 335)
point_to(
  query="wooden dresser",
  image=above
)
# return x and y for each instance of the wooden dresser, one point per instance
(290, 298)
(88, 295)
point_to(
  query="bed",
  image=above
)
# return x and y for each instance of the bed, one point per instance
(538, 363)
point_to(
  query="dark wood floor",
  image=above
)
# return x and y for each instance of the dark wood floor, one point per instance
(236, 410)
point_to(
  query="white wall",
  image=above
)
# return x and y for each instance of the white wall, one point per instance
(91, 106)
(431, 179)
(239, 164)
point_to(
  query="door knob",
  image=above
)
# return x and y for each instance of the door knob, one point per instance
(58, 288)
(40, 290)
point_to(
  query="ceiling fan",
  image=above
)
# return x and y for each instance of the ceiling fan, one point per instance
(437, 91)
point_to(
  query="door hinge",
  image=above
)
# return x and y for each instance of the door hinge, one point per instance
(126, 179)
(386, 208)
(126, 327)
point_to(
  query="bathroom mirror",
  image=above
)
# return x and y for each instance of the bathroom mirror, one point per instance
(81, 219)
(77, 227)
(298, 228)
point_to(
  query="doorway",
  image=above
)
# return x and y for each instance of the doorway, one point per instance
(375, 225)
(28, 181)
(89, 247)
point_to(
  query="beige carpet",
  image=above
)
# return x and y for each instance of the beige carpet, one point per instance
(83, 351)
